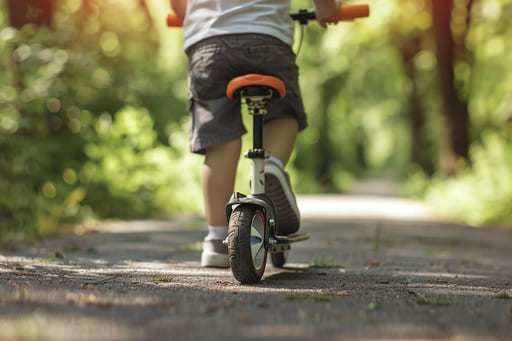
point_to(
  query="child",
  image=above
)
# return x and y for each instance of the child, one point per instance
(224, 39)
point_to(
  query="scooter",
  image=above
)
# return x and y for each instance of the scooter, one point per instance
(253, 222)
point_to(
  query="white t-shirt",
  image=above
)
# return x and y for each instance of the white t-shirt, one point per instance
(210, 18)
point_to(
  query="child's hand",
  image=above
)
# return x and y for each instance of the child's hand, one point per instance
(179, 7)
(325, 9)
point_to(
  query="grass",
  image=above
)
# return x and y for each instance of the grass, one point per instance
(373, 306)
(162, 279)
(193, 247)
(326, 263)
(470, 262)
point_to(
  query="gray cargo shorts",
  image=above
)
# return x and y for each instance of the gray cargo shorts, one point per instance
(214, 62)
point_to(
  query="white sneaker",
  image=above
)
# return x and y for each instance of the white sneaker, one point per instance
(215, 254)
(279, 190)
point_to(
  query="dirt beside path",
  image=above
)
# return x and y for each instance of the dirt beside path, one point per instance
(366, 273)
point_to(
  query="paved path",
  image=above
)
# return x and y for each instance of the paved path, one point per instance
(375, 268)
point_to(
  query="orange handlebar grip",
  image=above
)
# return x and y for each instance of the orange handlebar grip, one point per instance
(349, 13)
(173, 20)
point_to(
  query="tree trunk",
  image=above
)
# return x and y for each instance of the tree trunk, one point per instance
(324, 144)
(419, 153)
(454, 111)
(18, 193)
(37, 12)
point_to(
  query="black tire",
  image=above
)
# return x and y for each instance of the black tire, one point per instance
(279, 258)
(247, 253)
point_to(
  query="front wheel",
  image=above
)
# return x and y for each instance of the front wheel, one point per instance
(246, 243)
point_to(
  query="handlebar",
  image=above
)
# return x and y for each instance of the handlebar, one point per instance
(173, 20)
(345, 13)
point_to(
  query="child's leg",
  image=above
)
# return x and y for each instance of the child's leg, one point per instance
(279, 137)
(218, 178)
(219, 169)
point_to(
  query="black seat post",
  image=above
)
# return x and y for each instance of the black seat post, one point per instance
(258, 132)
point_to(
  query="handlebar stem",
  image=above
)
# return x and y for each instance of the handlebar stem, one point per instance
(303, 16)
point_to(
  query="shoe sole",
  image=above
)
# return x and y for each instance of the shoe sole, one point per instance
(288, 221)
(214, 260)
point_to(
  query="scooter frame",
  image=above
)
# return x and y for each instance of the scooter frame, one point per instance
(256, 98)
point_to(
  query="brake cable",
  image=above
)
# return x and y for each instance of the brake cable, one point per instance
(302, 16)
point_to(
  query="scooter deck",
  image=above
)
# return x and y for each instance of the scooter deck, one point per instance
(282, 243)
(292, 238)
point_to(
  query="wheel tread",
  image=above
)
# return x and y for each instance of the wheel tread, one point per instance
(239, 248)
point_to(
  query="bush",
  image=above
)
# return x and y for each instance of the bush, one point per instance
(77, 137)
(481, 194)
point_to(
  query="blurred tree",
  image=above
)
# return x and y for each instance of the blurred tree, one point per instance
(441, 27)
(93, 97)
(419, 142)
(18, 198)
(410, 36)
(37, 12)
(454, 134)
(64, 89)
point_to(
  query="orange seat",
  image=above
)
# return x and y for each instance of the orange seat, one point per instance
(236, 84)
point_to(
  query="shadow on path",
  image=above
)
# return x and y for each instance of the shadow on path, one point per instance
(375, 268)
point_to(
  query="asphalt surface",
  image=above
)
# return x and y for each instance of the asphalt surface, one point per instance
(376, 267)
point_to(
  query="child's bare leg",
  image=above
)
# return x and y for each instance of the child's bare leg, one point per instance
(279, 138)
(218, 178)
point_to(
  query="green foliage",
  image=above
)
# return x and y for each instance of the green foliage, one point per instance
(162, 279)
(93, 120)
(127, 165)
(354, 94)
(89, 128)
(480, 194)
(17, 201)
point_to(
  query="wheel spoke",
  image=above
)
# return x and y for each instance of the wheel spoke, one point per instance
(257, 245)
